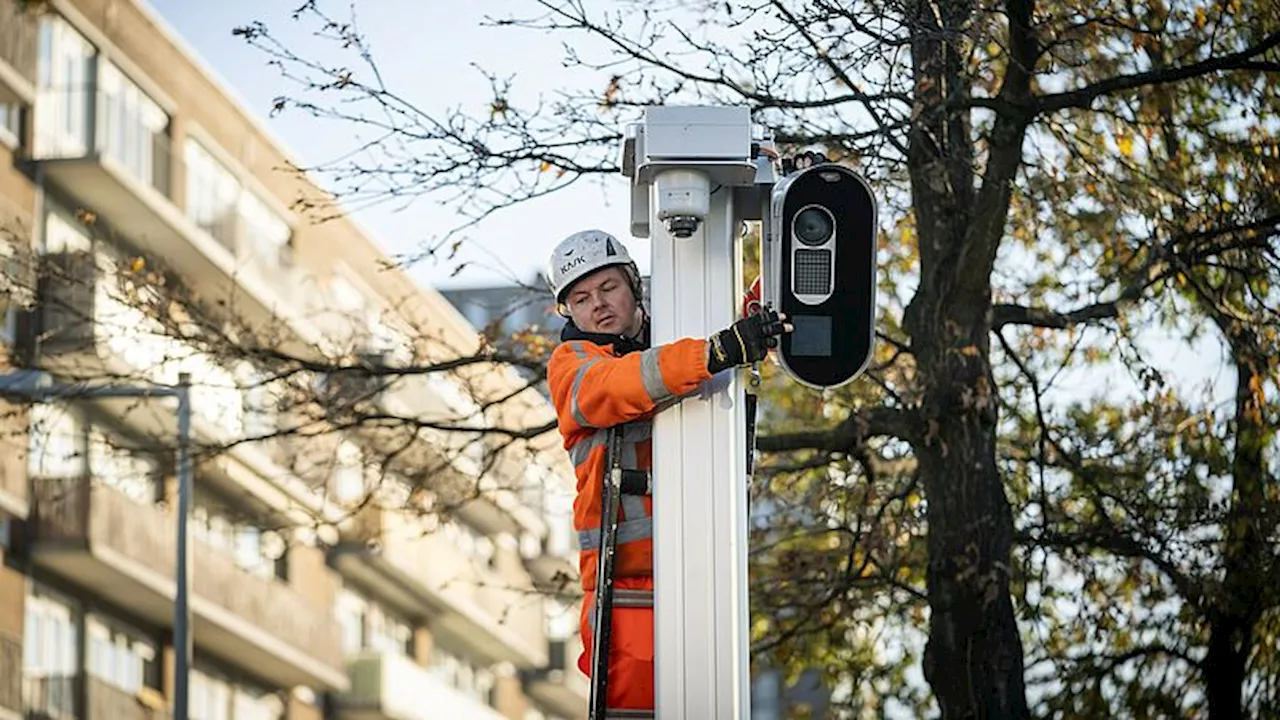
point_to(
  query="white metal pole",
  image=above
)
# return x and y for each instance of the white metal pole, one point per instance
(700, 494)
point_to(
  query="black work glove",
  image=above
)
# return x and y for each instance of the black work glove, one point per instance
(803, 161)
(746, 341)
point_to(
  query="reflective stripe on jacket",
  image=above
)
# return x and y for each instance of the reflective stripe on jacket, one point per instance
(593, 389)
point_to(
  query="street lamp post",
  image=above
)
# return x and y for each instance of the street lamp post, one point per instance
(39, 386)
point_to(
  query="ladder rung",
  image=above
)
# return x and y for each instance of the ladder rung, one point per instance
(627, 598)
(628, 714)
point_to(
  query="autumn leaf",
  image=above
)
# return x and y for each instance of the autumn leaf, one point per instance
(1125, 144)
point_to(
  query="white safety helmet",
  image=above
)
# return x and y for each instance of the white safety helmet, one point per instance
(581, 254)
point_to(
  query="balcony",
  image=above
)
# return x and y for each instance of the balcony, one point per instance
(13, 472)
(17, 261)
(126, 552)
(58, 698)
(560, 686)
(18, 46)
(88, 328)
(10, 680)
(393, 687)
(114, 166)
(501, 618)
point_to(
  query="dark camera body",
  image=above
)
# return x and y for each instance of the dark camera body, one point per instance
(820, 269)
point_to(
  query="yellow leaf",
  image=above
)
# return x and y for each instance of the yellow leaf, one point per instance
(1125, 142)
(138, 264)
(1201, 19)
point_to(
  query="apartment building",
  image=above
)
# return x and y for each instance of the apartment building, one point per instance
(333, 575)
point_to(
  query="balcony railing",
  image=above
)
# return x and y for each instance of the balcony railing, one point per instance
(19, 43)
(58, 698)
(67, 291)
(51, 698)
(386, 686)
(10, 678)
(126, 550)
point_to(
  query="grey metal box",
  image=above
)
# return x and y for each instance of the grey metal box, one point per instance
(702, 132)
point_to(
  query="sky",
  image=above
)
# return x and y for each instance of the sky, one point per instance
(432, 61)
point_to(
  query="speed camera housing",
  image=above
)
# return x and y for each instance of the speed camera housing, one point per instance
(820, 269)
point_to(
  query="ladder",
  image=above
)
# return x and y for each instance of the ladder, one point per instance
(616, 482)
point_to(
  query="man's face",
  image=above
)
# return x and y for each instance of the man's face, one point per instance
(602, 303)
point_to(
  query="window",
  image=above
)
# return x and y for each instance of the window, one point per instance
(561, 539)
(348, 475)
(266, 233)
(562, 620)
(212, 194)
(345, 295)
(388, 633)
(210, 696)
(9, 325)
(131, 128)
(470, 541)
(533, 487)
(254, 704)
(349, 609)
(10, 125)
(216, 697)
(119, 656)
(50, 661)
(385, 337)
(57, 440)
(253, 547)
(133, 473)
(468, 678)
(63, 236)
(259, 405)
(64, 90)
(241, 221)
(369, 626)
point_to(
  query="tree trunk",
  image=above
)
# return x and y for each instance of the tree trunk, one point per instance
(1247, 557)
(1230, 640)
(973, 660)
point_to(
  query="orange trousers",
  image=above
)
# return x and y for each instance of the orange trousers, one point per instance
(631, 649)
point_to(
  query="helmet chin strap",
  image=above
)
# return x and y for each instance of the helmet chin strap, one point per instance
(644, 317)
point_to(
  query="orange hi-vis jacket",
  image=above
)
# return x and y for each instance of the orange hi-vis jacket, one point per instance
(598, 382)
(595, 388)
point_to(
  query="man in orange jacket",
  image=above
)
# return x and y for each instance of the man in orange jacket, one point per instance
(602, 375)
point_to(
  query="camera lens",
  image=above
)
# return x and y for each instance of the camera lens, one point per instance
(814, 225)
